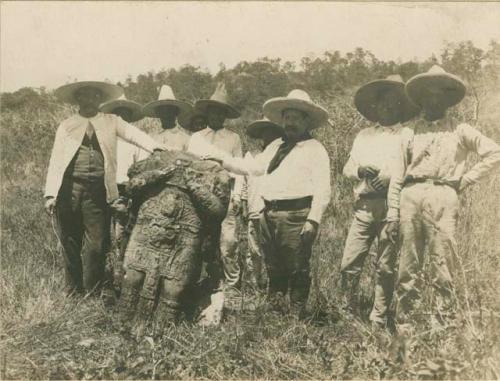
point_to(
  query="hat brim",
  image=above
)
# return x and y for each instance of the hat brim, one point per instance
(255, 129)
(150, 108)
(203, 104)
(273, 110)
(66, 93)
(135, 107)
(367, 97)
(453, 88)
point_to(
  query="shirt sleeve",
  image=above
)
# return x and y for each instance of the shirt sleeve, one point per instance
(352, 166)
(320, 173)
(254, 166)
(135, 136)
(487, 149)
(397, 177)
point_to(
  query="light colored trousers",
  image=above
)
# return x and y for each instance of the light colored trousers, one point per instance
(255, 258)
(368, 223)
(229, 247)
(428, 216)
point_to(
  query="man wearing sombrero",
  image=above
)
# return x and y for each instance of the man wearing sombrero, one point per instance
(265, 132)
(81, 179)
(126, 155)
(432, 173)
(217, 110)
(373, 158)
(295, 186)
(169, 109)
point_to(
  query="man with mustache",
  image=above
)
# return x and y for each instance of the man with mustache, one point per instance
(295, 186)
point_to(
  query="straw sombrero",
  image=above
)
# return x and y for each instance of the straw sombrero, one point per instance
(254, 129)
(219, 99)
(186, 119)
(166, 98)
(66, 93)
(452, 87)
(299, 100)
(367, 97)
(134, 107)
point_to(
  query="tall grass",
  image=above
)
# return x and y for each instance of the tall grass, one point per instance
(46, 335)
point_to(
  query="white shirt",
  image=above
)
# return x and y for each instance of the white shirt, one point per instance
(126, 155)
(377, 147)
(305, 171)
(176, 138)
(224, 140)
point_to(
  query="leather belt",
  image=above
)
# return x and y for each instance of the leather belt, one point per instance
(419, 180)
(372, 196)
(293, 204)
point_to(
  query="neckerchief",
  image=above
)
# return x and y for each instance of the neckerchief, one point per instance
(284, 149)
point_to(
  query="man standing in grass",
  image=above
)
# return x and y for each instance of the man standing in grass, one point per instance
(372, 161)
(431, 175)
(265, 132)
(295, 186)
(81, 179)
(217, 110)
(168, 109)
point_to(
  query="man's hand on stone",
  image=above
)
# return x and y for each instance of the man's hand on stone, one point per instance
(392, 231)
(367, 172)
(50, 205)
(309, 231)
(119, 206)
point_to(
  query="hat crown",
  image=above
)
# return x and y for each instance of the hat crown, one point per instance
(299, 94)
(395, 78)
(220, 93)
(436, 69)
(166, 93)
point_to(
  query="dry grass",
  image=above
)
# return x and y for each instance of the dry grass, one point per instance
(45, 335)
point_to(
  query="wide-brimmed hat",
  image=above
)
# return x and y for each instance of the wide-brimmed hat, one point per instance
(66, 93)
(368, 95)
(219, 99)
(186, 119)
(255, 129)
(451, 86)
(134, 107)
(299, 100)
(166, 98)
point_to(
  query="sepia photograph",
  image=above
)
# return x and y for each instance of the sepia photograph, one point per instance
(249, 190)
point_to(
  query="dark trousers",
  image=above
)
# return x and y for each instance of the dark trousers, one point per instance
(286, 255)
(84, 222)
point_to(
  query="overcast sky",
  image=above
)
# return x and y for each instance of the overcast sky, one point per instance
(51, 43)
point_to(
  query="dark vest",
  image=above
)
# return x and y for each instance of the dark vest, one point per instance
(88, 162)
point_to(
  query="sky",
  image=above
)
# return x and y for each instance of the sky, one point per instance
(52, 43)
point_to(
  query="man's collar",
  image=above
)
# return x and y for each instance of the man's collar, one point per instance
(97, 116)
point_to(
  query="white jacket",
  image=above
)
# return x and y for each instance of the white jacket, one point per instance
(107, 128)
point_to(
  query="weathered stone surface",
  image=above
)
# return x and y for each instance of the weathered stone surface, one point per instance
(178, 205)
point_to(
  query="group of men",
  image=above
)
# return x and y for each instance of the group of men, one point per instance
(407, 171)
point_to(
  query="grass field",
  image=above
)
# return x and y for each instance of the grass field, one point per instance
(46, 335)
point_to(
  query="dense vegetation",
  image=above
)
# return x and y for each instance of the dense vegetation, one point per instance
(45, 335)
